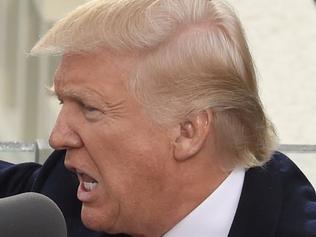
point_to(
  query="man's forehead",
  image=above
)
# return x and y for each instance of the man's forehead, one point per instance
(100, 57)
(71, 63)
(102, 65)
(81, 77)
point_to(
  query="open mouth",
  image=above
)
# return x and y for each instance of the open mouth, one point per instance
(87, 183)
(86, 187)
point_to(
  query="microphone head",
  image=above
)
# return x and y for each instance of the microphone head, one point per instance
(31, 215)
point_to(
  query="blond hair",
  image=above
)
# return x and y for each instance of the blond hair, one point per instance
(195, 57)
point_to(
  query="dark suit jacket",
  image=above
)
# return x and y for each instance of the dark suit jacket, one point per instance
(276, 201)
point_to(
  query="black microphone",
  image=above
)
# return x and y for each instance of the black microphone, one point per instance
(31, 215)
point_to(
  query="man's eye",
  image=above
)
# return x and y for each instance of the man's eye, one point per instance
(91, 113)
(89, 108)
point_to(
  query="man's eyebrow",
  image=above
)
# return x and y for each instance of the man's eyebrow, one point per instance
(81, 95)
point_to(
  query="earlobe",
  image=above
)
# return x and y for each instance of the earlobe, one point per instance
(192, 136)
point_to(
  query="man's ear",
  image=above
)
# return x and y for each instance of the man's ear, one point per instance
(192, 135)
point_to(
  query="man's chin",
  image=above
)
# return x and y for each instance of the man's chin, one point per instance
(96, 222)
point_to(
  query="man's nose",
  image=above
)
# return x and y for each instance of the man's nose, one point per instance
(63, 135)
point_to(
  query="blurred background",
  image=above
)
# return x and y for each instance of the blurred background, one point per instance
(281, 35)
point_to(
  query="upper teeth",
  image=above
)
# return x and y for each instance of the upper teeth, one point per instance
(89, 185)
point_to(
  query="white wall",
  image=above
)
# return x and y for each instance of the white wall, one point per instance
(52, 10)
(282, 35)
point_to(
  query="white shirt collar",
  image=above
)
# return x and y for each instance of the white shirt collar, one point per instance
(214, 216)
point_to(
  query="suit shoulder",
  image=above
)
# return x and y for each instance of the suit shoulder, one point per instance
(276, 200)
(282, 167)
(298, 215)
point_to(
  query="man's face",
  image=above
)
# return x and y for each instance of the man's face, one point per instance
(123, 160)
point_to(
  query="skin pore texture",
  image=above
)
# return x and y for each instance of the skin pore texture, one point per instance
(136, 177)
